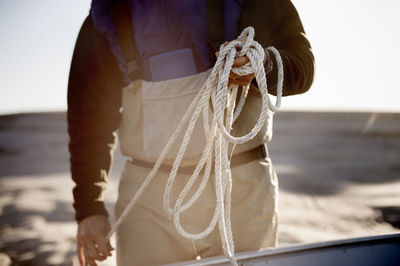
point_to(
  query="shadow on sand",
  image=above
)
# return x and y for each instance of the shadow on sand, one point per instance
(316, 154)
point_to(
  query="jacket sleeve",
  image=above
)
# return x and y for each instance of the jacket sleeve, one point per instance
(94, 101)
(277, 23)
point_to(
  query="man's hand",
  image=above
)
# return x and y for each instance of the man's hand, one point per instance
(92, 241)
(237, 79)
(237, 62)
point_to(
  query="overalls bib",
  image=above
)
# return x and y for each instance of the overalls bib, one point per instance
(150, 114)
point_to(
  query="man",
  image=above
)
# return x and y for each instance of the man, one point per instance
(95, 98)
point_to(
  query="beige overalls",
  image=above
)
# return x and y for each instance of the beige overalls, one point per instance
(151, 112)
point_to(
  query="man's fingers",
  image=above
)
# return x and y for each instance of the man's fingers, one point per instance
(109, 245)
(241, 80)
(81, 254)
(91, 250)
(233, 75)
(102, 246)
(217, 52)
(240, 60)
(237, 79)
(89, 260)
(248, 77)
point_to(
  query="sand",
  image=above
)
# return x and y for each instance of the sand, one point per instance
(339, 176)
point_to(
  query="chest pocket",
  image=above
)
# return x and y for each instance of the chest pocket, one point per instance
(163, 105)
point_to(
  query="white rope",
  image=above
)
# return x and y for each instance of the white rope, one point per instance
(218, 137)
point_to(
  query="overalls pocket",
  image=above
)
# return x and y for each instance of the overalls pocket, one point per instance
(164, 103)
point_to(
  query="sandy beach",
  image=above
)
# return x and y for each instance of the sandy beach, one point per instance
(339, 177)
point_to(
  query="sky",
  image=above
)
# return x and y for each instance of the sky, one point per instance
(37, 41)
(355, 43)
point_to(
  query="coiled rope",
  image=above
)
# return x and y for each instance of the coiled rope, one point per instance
(218, 137)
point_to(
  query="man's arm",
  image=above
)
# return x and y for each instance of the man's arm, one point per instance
(94, 100)
(277, 23)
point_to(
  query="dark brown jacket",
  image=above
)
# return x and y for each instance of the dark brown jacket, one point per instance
(95, 82)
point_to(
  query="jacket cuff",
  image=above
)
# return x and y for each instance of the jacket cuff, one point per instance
(92, 208)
